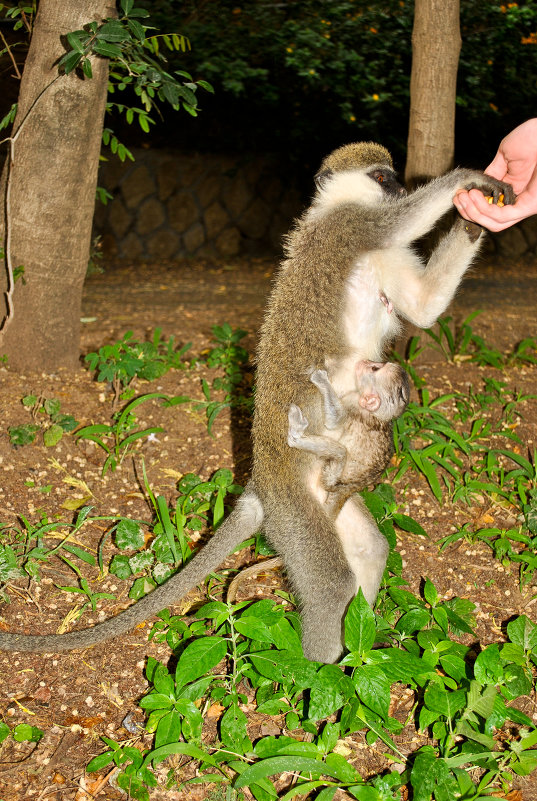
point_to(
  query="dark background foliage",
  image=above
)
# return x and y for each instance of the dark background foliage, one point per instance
(299, 78)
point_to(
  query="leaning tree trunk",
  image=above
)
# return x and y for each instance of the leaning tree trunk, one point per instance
(436, 44)
(50, 192)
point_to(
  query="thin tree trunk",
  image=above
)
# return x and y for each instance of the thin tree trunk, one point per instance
(50, 198)
(436, 44)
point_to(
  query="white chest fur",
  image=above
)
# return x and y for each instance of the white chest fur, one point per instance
(370, 319)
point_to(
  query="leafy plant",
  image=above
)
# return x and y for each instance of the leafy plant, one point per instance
(127, 359)
(117, 438)
(199, 504)
(462, 700)
(230, 357)
(21, 733)
(47, 418)
(136, 63)
(25, 549)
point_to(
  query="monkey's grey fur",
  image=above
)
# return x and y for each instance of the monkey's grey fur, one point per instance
(356, 442)
(348, 276)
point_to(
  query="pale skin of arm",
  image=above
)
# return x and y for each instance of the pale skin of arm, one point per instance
(516, 163)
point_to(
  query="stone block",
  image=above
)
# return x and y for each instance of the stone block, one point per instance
(167, 178)
(511, 243)
(255, 220)
(216, 218)
(112, 171)
(136, 186)
(228, 243)
(194, 238)
(238, 197)
(163, 244)
(209, 188)
(131, 247)
(271, 190)
(119, 218)
(529, 229)
(182, 211)
(150, 216)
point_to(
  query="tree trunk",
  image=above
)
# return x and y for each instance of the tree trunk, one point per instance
(50, 192)
(436, 44)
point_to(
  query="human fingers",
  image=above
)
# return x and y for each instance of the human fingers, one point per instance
(498, 167)
(474, 206)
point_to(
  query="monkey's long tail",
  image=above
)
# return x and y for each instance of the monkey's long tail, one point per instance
(244, 521)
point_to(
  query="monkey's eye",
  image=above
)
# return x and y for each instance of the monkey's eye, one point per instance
(380, 178)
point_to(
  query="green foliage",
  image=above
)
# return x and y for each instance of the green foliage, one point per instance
(47, 419)
(127, 359)
(344, 67)
(25, 549)
(230, 357)
(461, 701)
(199, 504)
(118, 437)
(136, 63)
(21, 734)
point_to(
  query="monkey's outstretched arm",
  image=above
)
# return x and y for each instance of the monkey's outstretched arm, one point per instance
(418, 212)
(423, 294)
(244, 521)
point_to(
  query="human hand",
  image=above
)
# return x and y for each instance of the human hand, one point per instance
(515, 163)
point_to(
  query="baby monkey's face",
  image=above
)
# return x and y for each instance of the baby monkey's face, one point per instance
(383, 388)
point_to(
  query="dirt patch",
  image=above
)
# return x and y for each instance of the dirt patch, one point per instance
(75, 698)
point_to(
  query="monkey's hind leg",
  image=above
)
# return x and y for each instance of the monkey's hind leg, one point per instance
(303, 534)
(365, 547)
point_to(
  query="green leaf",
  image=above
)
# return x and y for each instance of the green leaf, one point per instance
(523, 632)
(285, 667)
(70, 62)
(373, 689)
(129, 535)
(52, 435)
(24, 733)
(446, 703)
(431, 773)
(168, 729)
(360, 628)
(159, 754)
(332, 688)
(198, 658)
(105, 49)
(430, 593)
(101, 761)
(277, 765)
(233, 728)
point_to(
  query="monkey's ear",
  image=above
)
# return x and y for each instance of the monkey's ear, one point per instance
(322, 177)
(370, 401)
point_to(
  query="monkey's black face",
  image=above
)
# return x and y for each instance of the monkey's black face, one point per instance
(388, 180)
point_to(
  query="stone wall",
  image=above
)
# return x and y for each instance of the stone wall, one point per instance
(170, 205)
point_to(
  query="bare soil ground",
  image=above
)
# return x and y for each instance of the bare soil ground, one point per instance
(76, 697)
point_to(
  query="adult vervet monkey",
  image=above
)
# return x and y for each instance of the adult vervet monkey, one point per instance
(348, 277)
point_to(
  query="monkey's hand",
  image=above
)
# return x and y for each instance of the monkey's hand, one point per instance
(473, 230)
(297, 425)
(319, 378)
(498, 192)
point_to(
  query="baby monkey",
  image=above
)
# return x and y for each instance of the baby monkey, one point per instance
(354, 447)
(356, 443)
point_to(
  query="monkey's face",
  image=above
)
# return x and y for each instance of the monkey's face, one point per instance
(383, 388)
(388, 181)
